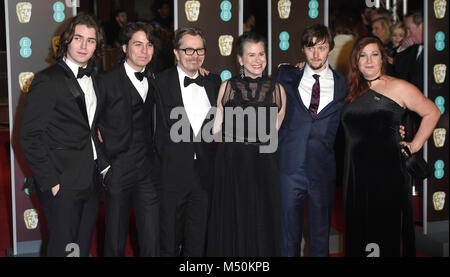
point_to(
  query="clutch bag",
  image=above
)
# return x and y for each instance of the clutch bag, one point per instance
(415, 164)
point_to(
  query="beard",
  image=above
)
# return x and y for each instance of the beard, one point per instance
(193, 68)
(316, 67)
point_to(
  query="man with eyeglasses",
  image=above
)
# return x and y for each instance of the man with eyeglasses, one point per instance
(187, 167)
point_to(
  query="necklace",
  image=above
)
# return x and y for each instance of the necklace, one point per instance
(373, 79)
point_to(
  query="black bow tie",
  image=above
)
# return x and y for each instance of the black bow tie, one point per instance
(188, 81)
(140, 75)
(84, 71)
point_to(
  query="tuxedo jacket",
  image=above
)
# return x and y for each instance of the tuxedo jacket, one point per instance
(178, 168)
(115, 121)
(306, 144)
(55, 135)
(409, 67)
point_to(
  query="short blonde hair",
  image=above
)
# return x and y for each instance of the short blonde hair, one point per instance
(386, 24)
(399, 25)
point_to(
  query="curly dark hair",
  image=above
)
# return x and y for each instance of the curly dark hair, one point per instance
(127, 32)
(69, 30)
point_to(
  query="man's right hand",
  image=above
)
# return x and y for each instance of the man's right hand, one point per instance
(407, 42)
(55, 190)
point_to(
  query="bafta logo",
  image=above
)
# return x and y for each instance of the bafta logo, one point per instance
(439, 8)
(225, 45)
(439, 200)
(23, 10)
(439, 70)
(31, 219)
(55, 44)
(284, 8)
(439, 137)
(192, 9)
(25, 79)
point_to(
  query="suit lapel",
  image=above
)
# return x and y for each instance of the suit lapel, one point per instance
(297, 96)
(210, 91)
(75, 89)
(127, 85)
(176, 98)
(98, 108)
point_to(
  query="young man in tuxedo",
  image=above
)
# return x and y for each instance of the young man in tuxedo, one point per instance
(127, 92)
(58, 139)
(315, 98)
(187, 169)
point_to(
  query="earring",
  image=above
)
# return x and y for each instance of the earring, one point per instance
(241, 71)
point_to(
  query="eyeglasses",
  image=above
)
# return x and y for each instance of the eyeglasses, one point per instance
(190, 51)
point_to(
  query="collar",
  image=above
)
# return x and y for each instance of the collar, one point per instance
(130, 71)
(182, 74)
(73, 66)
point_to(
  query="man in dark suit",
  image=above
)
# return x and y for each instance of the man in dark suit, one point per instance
(187, 165)
(58, 139)
(315, 98)
(408, 63)
(126, 127)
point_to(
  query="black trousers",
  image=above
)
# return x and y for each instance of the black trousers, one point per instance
(71, 218)
(137, 187)
(184, 214)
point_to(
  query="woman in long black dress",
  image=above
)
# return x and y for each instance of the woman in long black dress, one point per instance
(378, 209)
(245, 216)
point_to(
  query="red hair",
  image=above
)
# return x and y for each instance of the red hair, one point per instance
(357, 84)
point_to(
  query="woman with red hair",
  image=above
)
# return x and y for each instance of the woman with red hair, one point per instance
(378, 209)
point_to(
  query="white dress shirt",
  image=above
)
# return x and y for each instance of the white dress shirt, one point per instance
(326, 82)
(141, 86)
(419, 51)
(89, 96)
(195, 100)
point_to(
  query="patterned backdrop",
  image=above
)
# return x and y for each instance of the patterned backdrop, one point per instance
(219, 21)
(289, 19)
(438, 91)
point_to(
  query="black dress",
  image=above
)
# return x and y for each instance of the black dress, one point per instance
(245, 219)
(378, 206)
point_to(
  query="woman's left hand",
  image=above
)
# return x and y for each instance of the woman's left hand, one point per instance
(412, 148)
(203, 72)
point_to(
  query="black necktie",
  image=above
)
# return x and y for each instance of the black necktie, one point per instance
(188, 81)
(140, 75)
(84, 71)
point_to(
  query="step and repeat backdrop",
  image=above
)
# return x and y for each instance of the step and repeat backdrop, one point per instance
(219, 21)
(32, 37)
(289, 19)
(438, 91)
